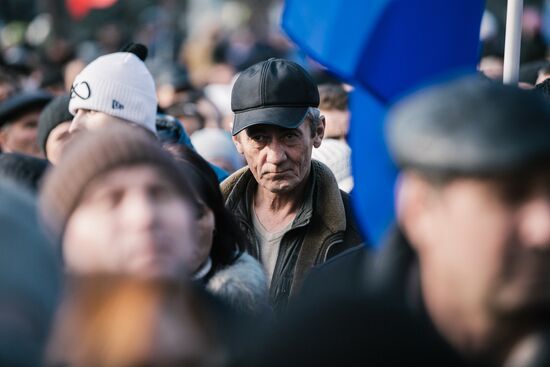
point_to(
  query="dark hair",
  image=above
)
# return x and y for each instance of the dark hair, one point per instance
(333, 97)
(229, 241)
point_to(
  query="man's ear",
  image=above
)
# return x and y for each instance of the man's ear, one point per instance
(237, 142)
(413, 204)
(319, 132)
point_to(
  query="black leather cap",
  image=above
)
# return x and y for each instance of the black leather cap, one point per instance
(470, 126)
(16, 105)
(274, 92)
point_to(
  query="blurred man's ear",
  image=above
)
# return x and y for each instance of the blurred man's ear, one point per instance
(319, 132)
(237, 141)
(413, 207)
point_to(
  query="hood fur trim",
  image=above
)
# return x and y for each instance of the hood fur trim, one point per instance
(243, 285)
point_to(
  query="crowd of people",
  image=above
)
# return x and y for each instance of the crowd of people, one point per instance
(151, 226)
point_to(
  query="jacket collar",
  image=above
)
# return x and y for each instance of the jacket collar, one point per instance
(323, 197)
(324, 206)
(328, 201)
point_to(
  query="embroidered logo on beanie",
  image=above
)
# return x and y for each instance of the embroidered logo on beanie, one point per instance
(120, 85)
(117, 105)
(81, 90)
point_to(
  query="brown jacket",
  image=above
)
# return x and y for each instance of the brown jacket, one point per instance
(323, 228)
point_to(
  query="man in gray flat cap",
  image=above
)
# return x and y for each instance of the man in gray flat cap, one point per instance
(474, 203)
(471, 251)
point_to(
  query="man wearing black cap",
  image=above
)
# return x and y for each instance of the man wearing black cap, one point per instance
(18, 122)
(290, 206)
(471, 252)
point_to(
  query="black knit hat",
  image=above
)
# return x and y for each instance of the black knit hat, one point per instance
(96, 153)
(55, 112)
(275, 92)
(470, 126)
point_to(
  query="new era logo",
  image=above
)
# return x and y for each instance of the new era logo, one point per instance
(116, 105)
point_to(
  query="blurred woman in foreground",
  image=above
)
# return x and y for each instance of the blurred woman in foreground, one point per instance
(220, 262)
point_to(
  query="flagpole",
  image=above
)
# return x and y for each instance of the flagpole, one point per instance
(512, 46)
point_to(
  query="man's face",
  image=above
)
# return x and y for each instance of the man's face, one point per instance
(56, 141)
(85, 120)
(131, 220)
(19, 135)
(484, 250)
(279, 158)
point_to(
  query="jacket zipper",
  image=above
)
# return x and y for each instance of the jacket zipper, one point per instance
(278, 266)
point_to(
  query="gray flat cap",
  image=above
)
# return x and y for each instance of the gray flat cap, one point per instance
(470, 126)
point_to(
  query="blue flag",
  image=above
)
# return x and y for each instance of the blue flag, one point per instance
(386, 49)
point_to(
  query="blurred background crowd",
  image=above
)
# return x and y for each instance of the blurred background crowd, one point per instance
(194, 50)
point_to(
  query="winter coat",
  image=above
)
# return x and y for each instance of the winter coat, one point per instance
(358, 317)
(350, 284)
(323, 228)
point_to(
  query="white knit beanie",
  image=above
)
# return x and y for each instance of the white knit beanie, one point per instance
(120, 85)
